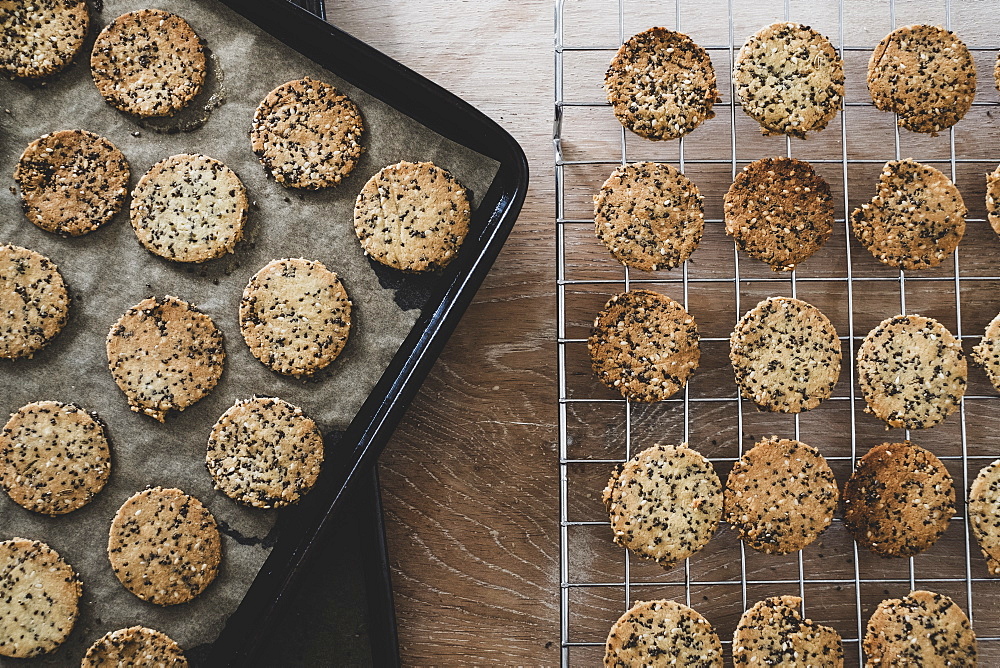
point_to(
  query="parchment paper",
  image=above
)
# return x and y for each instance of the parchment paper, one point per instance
(108, 271)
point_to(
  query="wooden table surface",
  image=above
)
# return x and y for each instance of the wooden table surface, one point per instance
(470, 479)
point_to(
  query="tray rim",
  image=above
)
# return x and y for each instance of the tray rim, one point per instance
(449, 116)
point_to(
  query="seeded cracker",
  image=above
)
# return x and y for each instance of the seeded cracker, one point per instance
(644, 345)
(916, 218)
(649, 215)
(780, 496)
(39, 593)
(925, 74)
(779, 211)
(189, 208)
(920, 629)
(984, 514)
(295, 316)
(899, 499)
(665, 503)
(164, 546)
(148, 63)
(137, 647)
(34, 304)
(54, 457)
(72, 181)
(912, 372)
(993, 199)
(987, 353)
(40, 37)
(164, 355)
(790, 79)
(662, 633)
(412, 216)
(785, 355)
(661, 85)
(773, 633)
(307, 134)
(265, 453)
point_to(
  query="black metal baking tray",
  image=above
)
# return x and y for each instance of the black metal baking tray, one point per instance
(303, 528)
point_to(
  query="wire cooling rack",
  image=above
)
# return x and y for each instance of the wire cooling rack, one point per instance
(839, 584)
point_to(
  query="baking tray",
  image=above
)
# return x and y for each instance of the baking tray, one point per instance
(840, 584)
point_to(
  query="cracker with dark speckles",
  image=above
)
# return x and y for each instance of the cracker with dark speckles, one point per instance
(72, 181)
(307, 134)
(412, 216)
(779, 211)
(34, 304)
(295, 316)
(920, 629)
(925, 74)
(987, 352)
(665, 503)
(984, 514)
(912, 372)
(662, 633)
(649, 215)
(54, 457)
(39, 595)
(264, 452)
(148, 63)
(189, 208)
(164, 355)
(785, 355)
(780, 496)
(164, 546)
(993, 199)
(135, 646)
(790, 79)
(41, 37)
(644, 345)
(773, 633)
(899, 500)
(661, 85)
(916, 218)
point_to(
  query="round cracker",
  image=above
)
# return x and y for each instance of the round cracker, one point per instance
(925, 75)
(644, 345)
(661, 85)
(662, 633)
(136, 646)
(164, 355)
(72, 181)
(649, 215)
(164, 546)
(665, 503)
(912, 372)
(39, 597)
(993, 199)
(34, 304)
(295, 316)
(189, 208)
(264, 452)
(54, 457)
(987, 353)
(921, 629)
(779, 211)
(41, 37)
(412, 216)
(790, 79)
(984, 514)
(148, 63)
(916, 218)
(773, 633)
(307, 134)
(780, 496)
(899, 500)
(786, 355)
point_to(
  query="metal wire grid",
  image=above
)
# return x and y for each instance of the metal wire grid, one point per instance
(970, 464)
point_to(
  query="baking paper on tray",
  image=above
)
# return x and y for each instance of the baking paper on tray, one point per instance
(108, 271)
